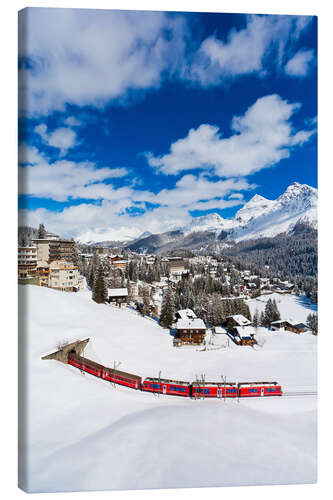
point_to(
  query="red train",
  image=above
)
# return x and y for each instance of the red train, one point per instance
(176, 387)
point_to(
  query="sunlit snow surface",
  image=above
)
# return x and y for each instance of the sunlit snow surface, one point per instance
(84, 434)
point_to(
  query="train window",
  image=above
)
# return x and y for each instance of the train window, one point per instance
(155, 386)
(177, 388)
(204, 391)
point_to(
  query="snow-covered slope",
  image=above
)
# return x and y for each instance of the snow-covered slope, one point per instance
(210, 222)
(256, 207)
(84, 434)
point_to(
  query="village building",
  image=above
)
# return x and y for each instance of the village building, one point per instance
(27, 261)
(64, 276)
(86, 257)
(219, 330)
(185, 314)
(134, 289)
(118, 261)
(102, 250)
(52, 248)
(176, 264)
(117, 295)
(190, 331)
(289, 325)
(244, 335)
(241, 329)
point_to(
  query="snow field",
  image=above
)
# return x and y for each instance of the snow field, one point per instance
(84, 434)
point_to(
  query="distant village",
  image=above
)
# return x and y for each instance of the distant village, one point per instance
(188, 294)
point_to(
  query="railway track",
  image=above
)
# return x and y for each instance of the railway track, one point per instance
(300, 394)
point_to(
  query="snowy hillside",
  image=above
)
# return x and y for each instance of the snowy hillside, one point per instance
(82, 433)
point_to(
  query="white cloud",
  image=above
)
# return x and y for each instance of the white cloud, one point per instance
(261, 138)
(191, 192)
(63, 179)
(88, 57)
(300, 64)
(246, 51)
(62, 138)
(71, 121)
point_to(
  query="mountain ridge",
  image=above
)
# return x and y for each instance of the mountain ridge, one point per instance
(258, 218)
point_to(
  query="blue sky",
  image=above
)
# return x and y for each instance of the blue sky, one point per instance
(137, 121)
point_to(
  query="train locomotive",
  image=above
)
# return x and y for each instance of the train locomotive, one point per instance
(176, 387)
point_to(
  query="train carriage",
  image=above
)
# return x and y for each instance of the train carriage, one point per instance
(167, 386)
(85, 365)
(122, 378)
(214, 390)
(109, 374)
(259, 389)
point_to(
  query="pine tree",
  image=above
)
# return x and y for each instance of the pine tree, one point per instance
(76, 256)
(271, 312)
(168, 309)
(100, 294)
(91, 277)
(41, 231)
(312, 322)
(256, 319)
(146, 301)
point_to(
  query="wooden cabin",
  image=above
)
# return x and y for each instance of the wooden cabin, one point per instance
(289, 325)
(190, 331)
(117, 295)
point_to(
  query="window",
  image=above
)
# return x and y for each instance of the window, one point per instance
(231, 391)
(177, 388)
(253, 390)
(203, 391)
(155, 386)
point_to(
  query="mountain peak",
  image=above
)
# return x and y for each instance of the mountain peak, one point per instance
(298, 193)
(255, 207)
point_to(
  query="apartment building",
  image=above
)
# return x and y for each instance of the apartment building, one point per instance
(53, 248)
(63, 275)
(27, 261)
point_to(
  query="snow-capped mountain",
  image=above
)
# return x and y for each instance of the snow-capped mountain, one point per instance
(262, 217)
(259, 217)
(256, 207)
(210, 222)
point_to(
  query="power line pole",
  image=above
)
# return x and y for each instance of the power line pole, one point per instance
(115, 366)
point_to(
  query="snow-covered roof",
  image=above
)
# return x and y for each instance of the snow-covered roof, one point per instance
(219, 329)
(186, 313)
(183, 324)
(245, 331)
(240, 319)
(116, 292)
